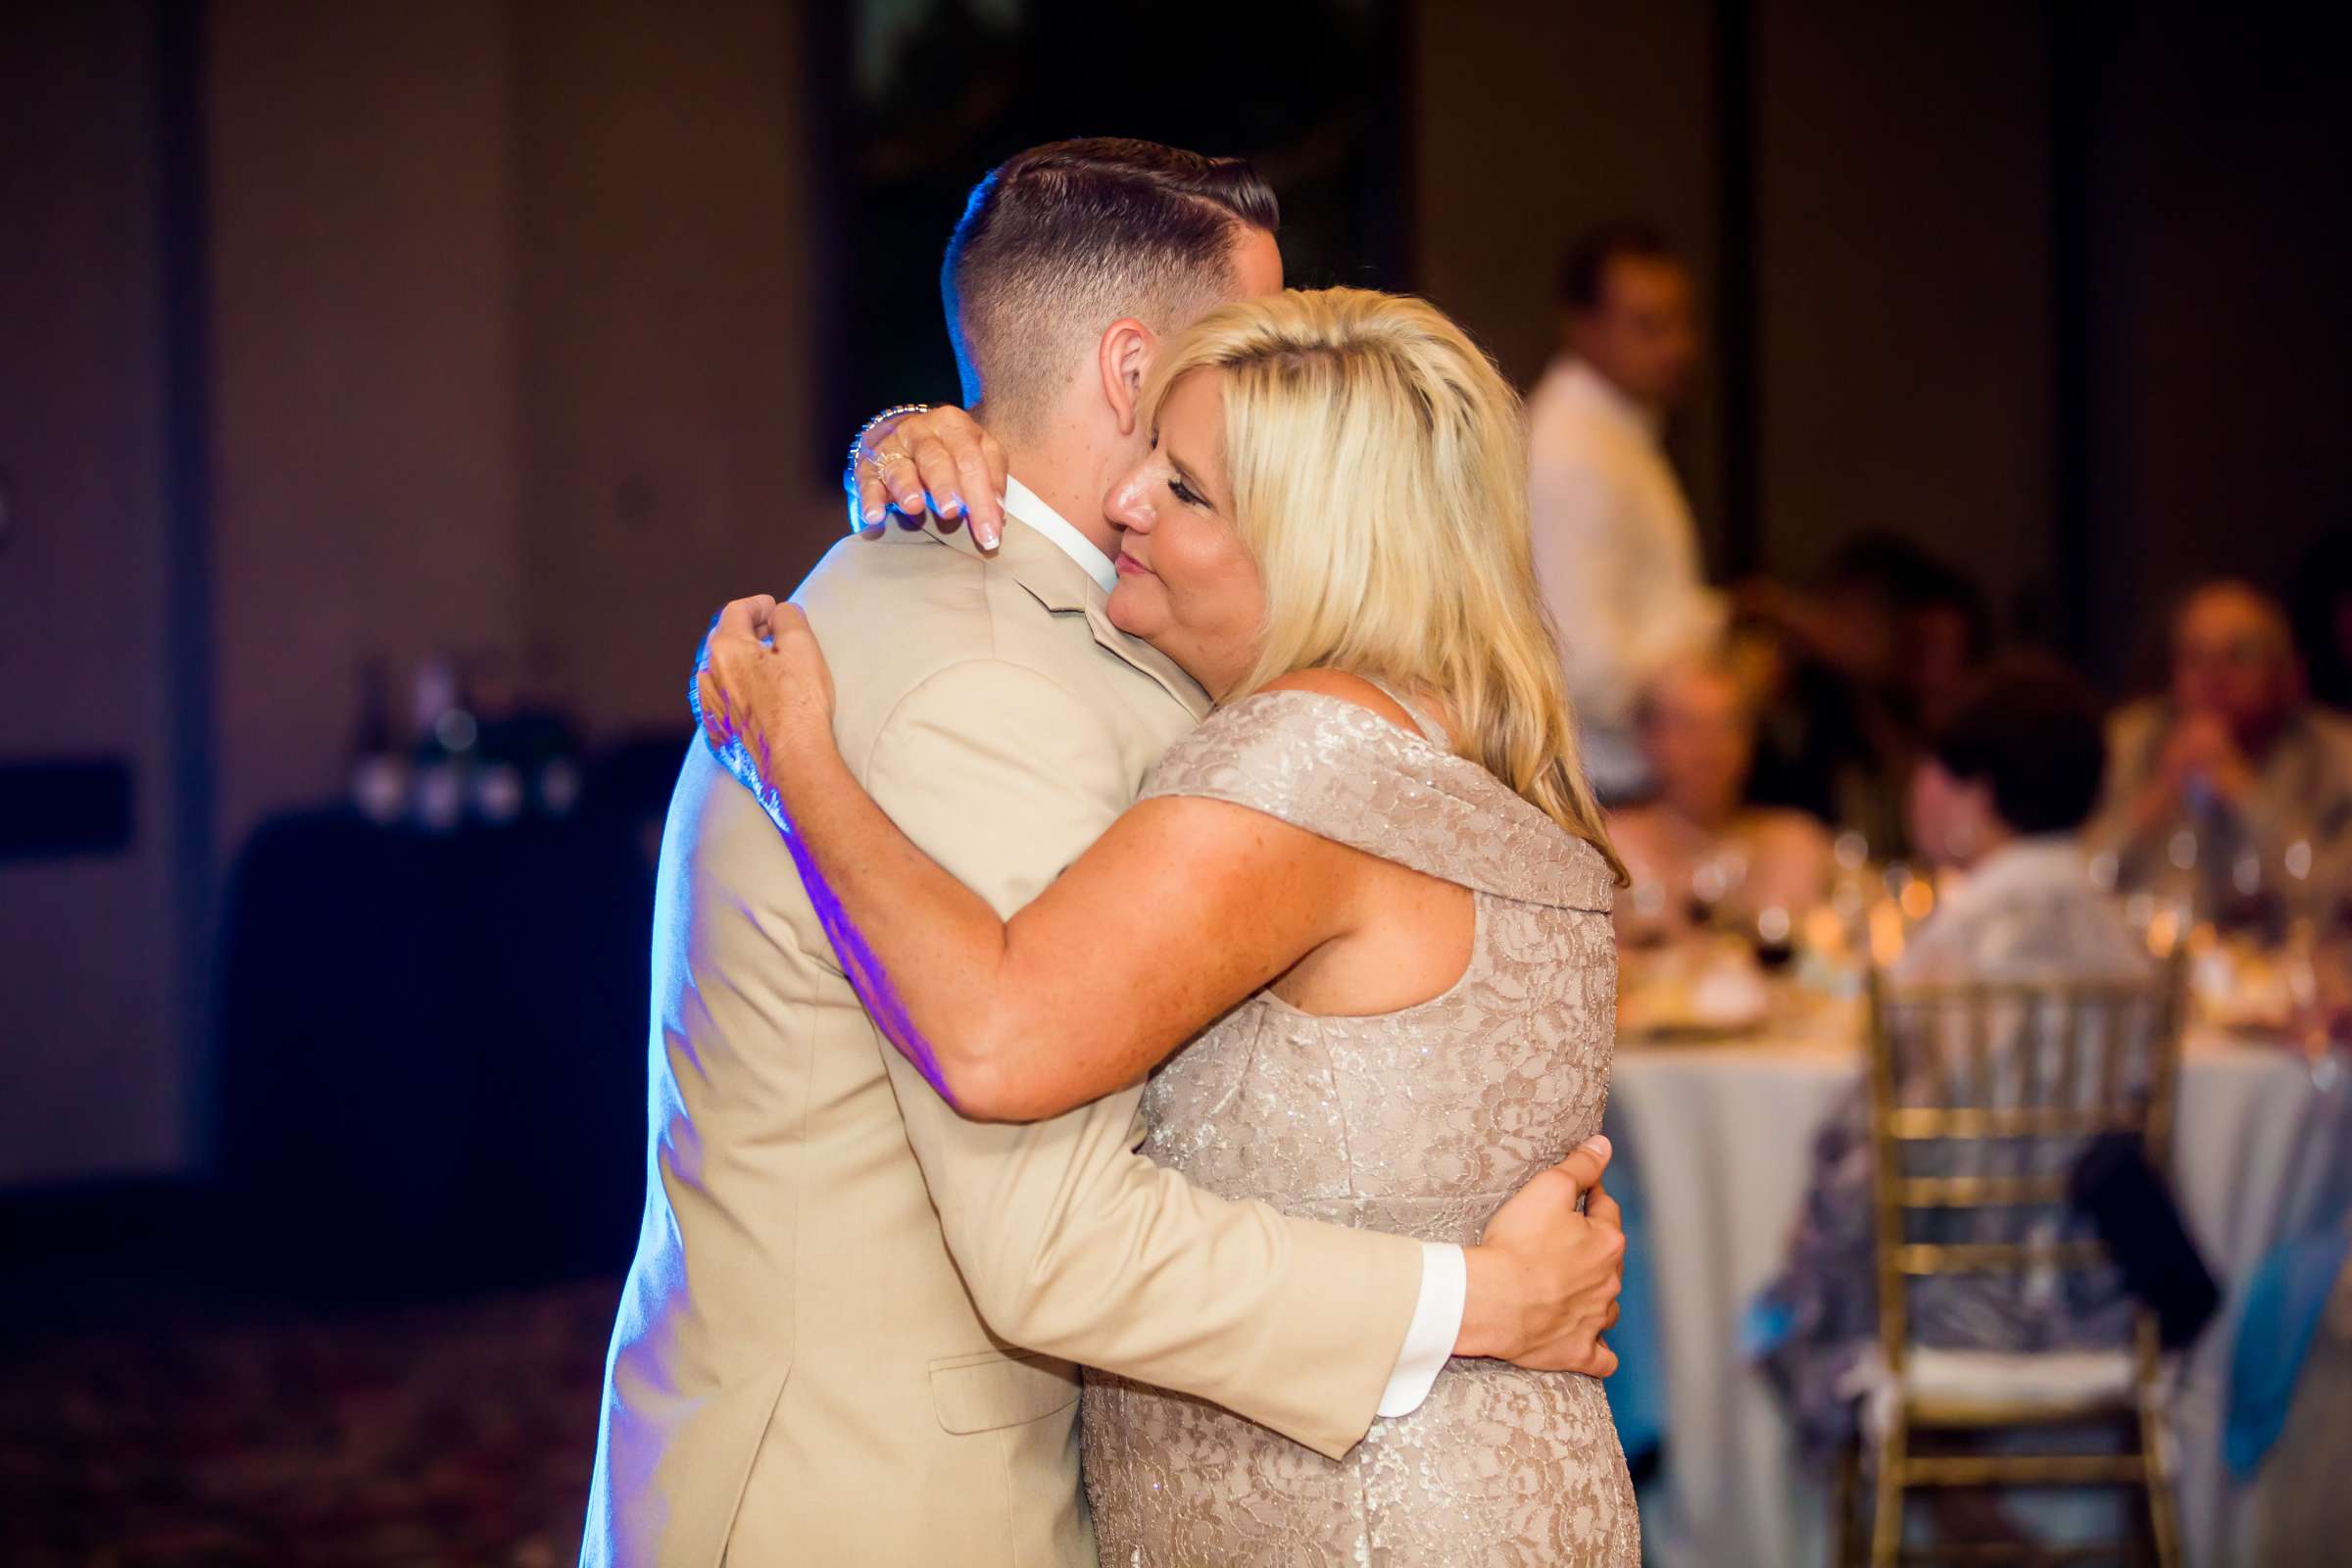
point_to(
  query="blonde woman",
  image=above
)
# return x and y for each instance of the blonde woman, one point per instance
(1372, 892)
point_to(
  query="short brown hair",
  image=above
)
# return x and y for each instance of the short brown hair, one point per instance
(2031, 730)
(1062, 240)
(1583, 282)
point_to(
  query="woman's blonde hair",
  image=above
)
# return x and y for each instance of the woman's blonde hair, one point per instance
(1379, 472)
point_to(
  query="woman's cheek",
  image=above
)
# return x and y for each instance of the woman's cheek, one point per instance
(1249, 596)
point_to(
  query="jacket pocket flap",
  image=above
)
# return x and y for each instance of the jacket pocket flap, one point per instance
(987, 1390)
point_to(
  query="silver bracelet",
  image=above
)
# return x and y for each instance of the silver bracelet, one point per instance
(849, 473)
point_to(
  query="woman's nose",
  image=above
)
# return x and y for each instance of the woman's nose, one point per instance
(1128, 507)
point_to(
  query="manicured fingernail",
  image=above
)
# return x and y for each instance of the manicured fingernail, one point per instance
(871, 513)
(952, 507)
(986, 533)
(1600, 1144)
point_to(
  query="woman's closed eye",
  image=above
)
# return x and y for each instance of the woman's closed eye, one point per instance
(1185, 493)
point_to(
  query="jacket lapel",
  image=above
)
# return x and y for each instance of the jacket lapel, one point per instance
(1143, 656)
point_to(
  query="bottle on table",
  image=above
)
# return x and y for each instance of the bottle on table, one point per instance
(444, 755)
(380, 773)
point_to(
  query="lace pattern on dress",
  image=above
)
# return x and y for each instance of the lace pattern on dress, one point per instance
(1419, 1122)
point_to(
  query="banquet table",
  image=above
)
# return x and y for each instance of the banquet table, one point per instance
(1718, 1137)
(433, 1051)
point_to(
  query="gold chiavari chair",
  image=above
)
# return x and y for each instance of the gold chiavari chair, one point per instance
(1973, 1143)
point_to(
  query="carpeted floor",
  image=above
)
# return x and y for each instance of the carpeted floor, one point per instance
(456, 1432)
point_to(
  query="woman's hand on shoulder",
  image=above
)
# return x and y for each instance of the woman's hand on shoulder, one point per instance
(763, 693)
(938, 459)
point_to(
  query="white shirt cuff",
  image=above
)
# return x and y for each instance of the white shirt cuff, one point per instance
(1436, 1325)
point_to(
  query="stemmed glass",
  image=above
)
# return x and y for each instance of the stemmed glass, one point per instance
(1715, 880)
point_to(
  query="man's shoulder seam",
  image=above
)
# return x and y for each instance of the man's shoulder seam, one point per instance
(956, 665)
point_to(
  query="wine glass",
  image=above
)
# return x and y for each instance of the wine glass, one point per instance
(1715, 881)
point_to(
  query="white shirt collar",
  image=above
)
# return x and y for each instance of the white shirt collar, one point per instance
(2052, 863)
(1022, 503)
(2057, 857)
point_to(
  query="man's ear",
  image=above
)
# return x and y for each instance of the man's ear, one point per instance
(1124, 357)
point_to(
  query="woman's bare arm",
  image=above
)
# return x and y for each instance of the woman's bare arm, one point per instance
(1182, 909)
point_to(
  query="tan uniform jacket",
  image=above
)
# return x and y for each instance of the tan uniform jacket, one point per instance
(815, 1360)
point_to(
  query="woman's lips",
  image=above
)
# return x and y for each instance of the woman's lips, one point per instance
(1129, 566)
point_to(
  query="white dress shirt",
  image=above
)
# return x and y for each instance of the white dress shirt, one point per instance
(2028, 910)
(1444, 1272)
(1616, 556)
(1025, 503)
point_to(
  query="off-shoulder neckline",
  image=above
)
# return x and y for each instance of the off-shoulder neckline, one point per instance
(1351, 705)
(1447, 771)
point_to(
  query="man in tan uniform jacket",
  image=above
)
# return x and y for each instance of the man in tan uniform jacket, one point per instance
(848, 1335)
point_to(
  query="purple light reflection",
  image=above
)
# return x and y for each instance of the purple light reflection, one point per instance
(857, 960)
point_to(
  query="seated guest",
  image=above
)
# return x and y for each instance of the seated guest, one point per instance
(1851, 672)
(2007, 783)
(1697, 843)
(2234, 766)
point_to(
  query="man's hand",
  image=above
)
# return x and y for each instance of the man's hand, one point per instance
(2199, 755)
(2202, 748)
(1543, 1280)
(939, 461)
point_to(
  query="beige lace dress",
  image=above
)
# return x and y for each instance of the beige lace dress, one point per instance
(1419, 1122)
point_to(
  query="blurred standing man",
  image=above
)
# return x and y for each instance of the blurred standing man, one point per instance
(2233, 775)
(1615, 547)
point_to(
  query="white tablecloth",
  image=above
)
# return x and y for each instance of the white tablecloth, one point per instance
(1720, 1137)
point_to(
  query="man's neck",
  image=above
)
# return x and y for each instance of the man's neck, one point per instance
(1067, 480)
(1996, 839)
